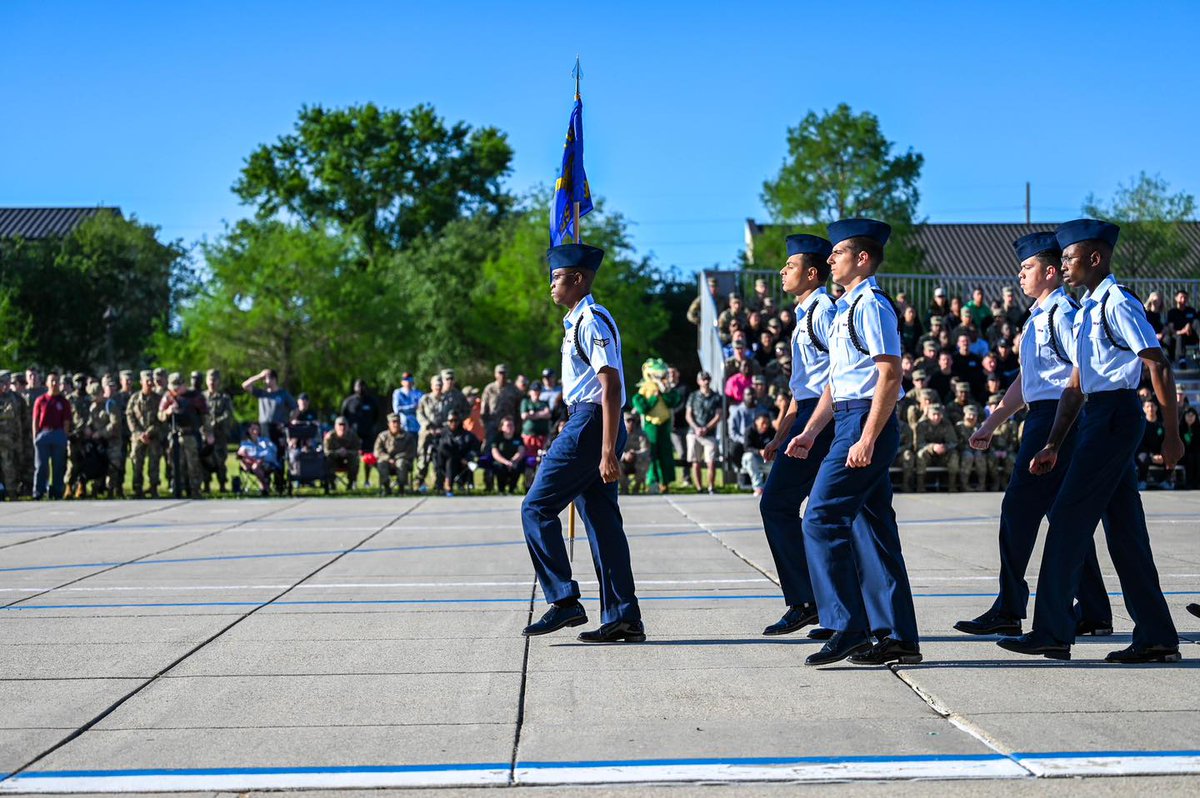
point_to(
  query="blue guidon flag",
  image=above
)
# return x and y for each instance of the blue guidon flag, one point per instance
(571, 185)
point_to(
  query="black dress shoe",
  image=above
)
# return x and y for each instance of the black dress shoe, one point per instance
(556, 618)
(795, 619)
(1093, 628)
(616, 632)
(1028, 644)
(1194, 609)
(889, 650)
(820, 633)
(1135, 656)
(992, 622)
(840, 646)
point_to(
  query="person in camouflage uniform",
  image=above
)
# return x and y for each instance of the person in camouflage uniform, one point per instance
(342, 446)
(937, 445)
(915, 413)
(115, 409)
(221, 425)
(906, 456)
(11, 442)
(103, 428)
(970, 461)
(34, 387)
(184, 411)
(395, 450)
(635, 460)
(962, 400)
(1000, 458)
(145, 434)
(80, 402)
(432, 411)
(120, 400)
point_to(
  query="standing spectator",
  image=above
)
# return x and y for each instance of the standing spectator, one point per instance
(940, 379)
(981, 311)
(508, 456)
(693, 311)
(395, 452)
(969, 366)
(431, 413)
(741, 355)
(452, 396)
(361, 411)
(703, 415)
(500, 398)
(1189, 430)
(185, 414)
(758, 302)
(1181, 319)
(260, 456)
(735, 311)
(404, 403)
(754, 465)
(939, 307)
(222, 423)
(12, 411)
(1014, 314)
(304, 413)
(737, 385)
(145, 435)
(535, 420)
(342, 448)
(787, 323)
(679, 427)
(635, 459)
(1154, 315)
(473, 423)
(458, 450)
(955, 315)
(1149, 451)
(275, 406)
(52, 417)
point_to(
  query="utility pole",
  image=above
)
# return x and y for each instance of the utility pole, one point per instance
(1027, 215)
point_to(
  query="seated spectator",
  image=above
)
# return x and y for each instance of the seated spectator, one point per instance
(458, 454)
(754, 325)
(906, 457)
(342, 449)
(535, 421)
(968, 366)
(1012, 311)
(303, 414)
(741, 355)
(966, 326)
(473, 423)
(954, 316)
(635, 459)
(787, 323)
(927, 359)
(971, 461)
(741, 419)
(981, 311)
(508, 456)
(1189, 431)
(758, 300)
(776, 328)
(754, 465)
(939, 307)
(765, 353)
(1149, 451)
(937, 446)
(1183, 324)
(939, 380)
(693, 311)
(259, 456)
(963, 399)
(704, 414)
(737, 385)
(395, 453)
(911, 330)
(404, 403)
(735, 311)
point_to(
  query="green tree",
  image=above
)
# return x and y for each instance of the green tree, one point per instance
(54, 293)
(288, 298)
(381, 177)
(1150, 217)
(839, 164)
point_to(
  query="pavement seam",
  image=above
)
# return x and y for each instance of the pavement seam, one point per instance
(520, 721)
(228, 528)
(958, 721)
(93, 526)
(178, 661)
(713, 534)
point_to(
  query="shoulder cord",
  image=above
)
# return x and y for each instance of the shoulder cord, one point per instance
(1104, 325)
(854, 339)
(821, 347)
(607, 321)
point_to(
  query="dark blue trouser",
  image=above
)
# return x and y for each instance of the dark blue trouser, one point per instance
(49, 462)
(853, 544)
(571, 471)
(788, 485)
(1026, 501)
(1102, 480)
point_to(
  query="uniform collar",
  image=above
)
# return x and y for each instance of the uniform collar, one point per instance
(811, 299)
(1054, 296)
(866, 285)
(1107, 284)
(574, 313)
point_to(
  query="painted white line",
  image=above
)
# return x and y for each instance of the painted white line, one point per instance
(237, 782)
(1130, 764)
(342, 585)
(984, 768)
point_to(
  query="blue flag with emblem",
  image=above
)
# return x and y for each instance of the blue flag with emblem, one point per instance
(571, 185)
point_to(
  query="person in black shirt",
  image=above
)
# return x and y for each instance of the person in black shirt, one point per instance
(1189, 430)
(361, 410)
(940, 379)
(457, 449)
(1149, 451)
(508, 456)
(969, 366)
(1183, 323)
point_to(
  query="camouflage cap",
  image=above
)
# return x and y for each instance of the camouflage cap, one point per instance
(447, 374)
(995, 399)
(107, 381)
(919, 374)
(197, 375)
(936, 408)
(146, 374)
(928, 393)
(213, 373)
(392, 417)
(94, 389)
(125, 374)
(160, 372)
(961, 385)
(174, 379)
(79, 377)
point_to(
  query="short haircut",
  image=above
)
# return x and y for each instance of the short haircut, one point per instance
(813, 260)
(272, 374)
(1050, 259)
(870, 246)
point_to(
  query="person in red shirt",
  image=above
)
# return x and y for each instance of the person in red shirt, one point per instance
(51, 425)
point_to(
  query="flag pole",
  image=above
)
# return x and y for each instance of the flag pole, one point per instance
(577, 73)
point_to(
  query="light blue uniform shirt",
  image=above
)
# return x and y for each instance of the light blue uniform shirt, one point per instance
(1103, 366)
(810, 366)
(601, 343)
(851, 373)
(1045, 372)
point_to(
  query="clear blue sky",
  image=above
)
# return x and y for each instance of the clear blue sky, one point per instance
(153, 106)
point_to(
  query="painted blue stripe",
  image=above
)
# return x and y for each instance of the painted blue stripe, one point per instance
(482, 600)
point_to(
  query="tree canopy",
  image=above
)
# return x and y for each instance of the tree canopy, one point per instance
(1149, 215)
(839, 164)
(383, 178)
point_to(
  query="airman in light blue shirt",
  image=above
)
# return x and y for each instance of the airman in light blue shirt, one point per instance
(1111, 330)
(810, 345)
(865, 327)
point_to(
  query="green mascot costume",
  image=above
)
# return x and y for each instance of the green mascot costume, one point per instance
(654, 403)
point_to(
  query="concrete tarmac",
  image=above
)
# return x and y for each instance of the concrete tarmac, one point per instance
(341, 644)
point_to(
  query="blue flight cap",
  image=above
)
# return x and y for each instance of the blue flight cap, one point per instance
(1035, 244)
(803, 244)
(859, 228)
(575, 256)
(1069, 233)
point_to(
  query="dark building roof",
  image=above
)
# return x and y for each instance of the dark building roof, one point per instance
(35, 223)
(985, 249)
